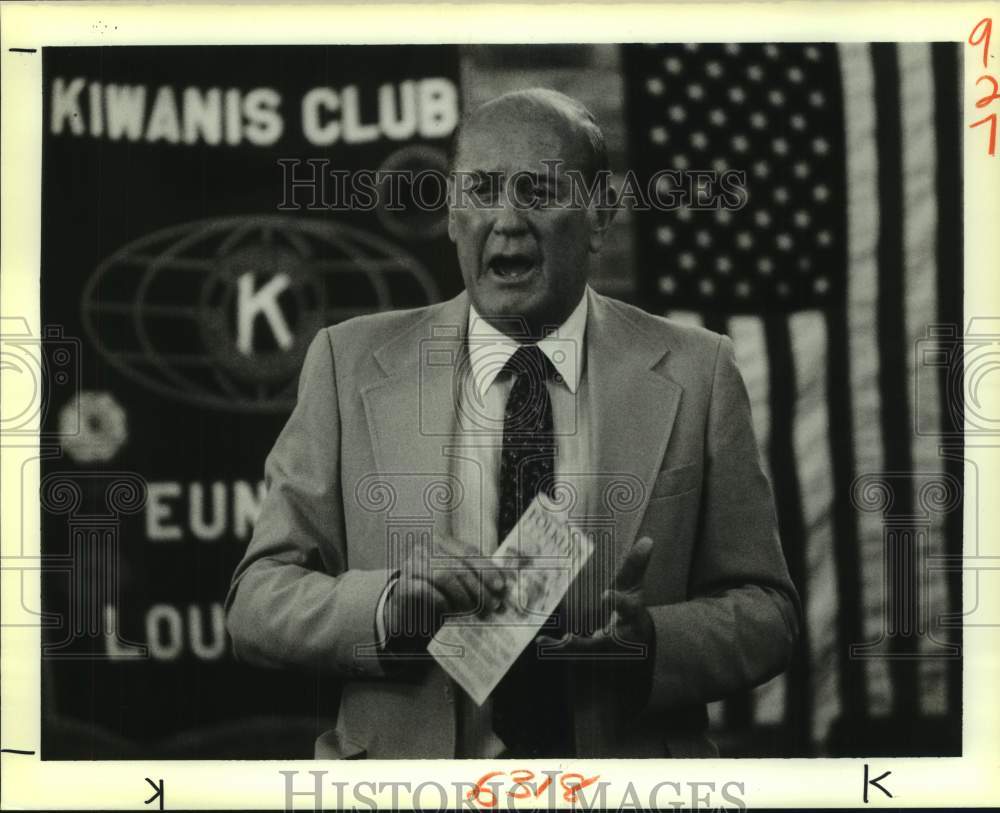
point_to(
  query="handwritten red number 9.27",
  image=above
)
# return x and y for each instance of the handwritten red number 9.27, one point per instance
(980, 35)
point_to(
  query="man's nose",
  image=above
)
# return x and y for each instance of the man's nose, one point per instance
(510, 218)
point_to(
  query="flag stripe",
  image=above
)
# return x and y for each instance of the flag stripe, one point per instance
(862, 231)
(813, 466)
(750, 347)
(949, 250)
(788, 499)
(919, 255)
(769, 701)
(853, 680)
(747, 333)
(853, 691)
(895, 414)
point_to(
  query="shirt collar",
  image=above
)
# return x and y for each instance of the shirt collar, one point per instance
(490, 350)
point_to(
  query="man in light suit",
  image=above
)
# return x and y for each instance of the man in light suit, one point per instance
(397, 474)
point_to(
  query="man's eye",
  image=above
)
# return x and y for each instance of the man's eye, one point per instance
(484, 191)
(532, 196)
(548, 197)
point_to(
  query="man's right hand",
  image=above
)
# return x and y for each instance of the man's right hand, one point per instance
(456, 580)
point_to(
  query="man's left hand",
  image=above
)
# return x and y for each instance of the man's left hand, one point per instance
(629, 631)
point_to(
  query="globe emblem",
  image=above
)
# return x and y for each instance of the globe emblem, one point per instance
(260, 282)
(219, 313)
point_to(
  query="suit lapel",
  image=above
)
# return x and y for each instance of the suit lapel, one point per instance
(633, 407)
(411, 411)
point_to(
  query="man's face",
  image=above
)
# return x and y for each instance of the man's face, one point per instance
(518, 260)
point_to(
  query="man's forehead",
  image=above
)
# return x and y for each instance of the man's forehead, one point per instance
(505, 143)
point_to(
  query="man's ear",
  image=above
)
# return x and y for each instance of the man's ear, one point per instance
(602, 214)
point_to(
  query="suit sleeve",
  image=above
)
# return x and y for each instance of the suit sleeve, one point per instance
(293, 600)
(740, 624)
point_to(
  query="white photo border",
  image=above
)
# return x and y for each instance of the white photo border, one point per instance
(29, 783)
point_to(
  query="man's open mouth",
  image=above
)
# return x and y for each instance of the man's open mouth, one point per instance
(511, 267)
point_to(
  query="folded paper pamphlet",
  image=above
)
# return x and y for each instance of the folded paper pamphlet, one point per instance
(541, 557)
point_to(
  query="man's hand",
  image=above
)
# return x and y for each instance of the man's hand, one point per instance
(624, 647)
(455, 580)
(630, 622)
(629, 630)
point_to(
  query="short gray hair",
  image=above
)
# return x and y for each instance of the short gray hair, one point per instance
(572, 111)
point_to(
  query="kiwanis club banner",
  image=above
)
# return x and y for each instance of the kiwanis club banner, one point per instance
(205, 211)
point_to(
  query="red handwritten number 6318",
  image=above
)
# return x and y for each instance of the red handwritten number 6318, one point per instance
(524, 786)
(980, 35)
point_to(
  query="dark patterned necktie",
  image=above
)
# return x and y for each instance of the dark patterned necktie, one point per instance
(528, 457)
(531, 712)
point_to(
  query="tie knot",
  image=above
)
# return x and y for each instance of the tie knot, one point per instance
(531, 362)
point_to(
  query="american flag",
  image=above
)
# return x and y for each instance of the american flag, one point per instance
(846, 253)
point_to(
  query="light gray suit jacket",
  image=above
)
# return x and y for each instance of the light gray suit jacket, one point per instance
(361, 467)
